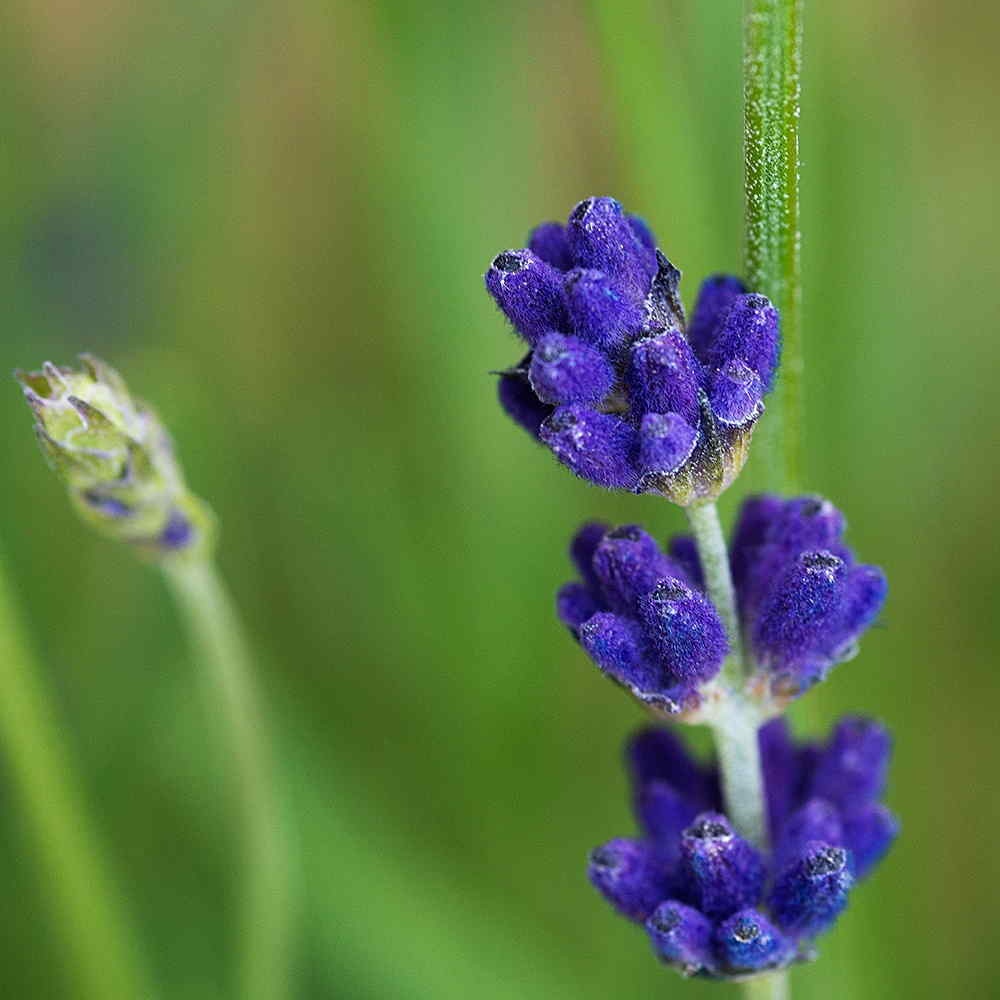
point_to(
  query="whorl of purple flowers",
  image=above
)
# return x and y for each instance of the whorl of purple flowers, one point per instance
(712, 903)
(613, 384)
(642, 617)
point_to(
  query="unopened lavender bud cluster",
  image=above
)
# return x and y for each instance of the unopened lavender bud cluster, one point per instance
(615, 383)
(116, 459)
(642, 616)
(714, 904)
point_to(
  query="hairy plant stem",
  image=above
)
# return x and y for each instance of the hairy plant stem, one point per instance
(772, 63)
(773, 986)
(218, 640)
(102, 958)
(736, 720)
(714, 557)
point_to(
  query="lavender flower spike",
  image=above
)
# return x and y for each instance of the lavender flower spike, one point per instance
(727, 910)
(640, 620)
(613, 385)
(116, 459)
(646, 621)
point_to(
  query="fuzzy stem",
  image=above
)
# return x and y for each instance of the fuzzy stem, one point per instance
(735, 731)
(772, 62)
(711, 542)
(773, 986)
(103, 959)
(217, 636)
(736, 720)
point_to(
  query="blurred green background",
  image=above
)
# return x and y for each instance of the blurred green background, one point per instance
(274, 219)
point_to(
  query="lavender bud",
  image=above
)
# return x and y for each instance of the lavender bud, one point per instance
(816, 820)
(641, 231)
(565, 370)
(724, 872)
(783, 767)
(548, 242)
(851, 770)
(657, 755)
(575, 604)
(601, 238)
(529, 292)
(663, 813)
(627, 873)
(664, 377)
(866, 590)
(666, 441)
(792, 619)
(735, 393)
(116, 459)
(683, 627)
(628, 563)
(681, 936)
(748, 942)
(810, 893)
(869, 833)
(754, 522)
(601, 313)
(617, 646)
(519, 401)
(582, 549)
(596, 446)
(715, 299)
(749, 332)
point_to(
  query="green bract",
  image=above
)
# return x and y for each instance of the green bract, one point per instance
(116, 459)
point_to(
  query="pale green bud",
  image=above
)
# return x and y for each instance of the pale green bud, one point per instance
(116, 459)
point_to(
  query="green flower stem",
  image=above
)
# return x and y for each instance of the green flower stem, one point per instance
(103, 959)
(735, 731)
(772, 63)
(736, 720)
(217, 637)
(714, 557)
(770, 987)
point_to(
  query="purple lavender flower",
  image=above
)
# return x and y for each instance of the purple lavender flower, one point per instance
(641, 619)
(613, 385)
(644, 619)
(713, 904)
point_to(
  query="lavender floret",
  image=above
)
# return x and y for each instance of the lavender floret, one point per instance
(723, 872)
(727, 909)
(566, 370)
(802, 608)
(529, 292)
(682, 937)
(665, 412)
(715, 299)
(749, 942)
(629, 875)
(811, 892)
(596, 446)
(651, 631)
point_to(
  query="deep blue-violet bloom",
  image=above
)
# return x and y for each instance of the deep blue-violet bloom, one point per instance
(615, 383)
(713, 904)
(643, 617)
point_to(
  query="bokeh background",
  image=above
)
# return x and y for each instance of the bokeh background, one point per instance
(274, 217)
